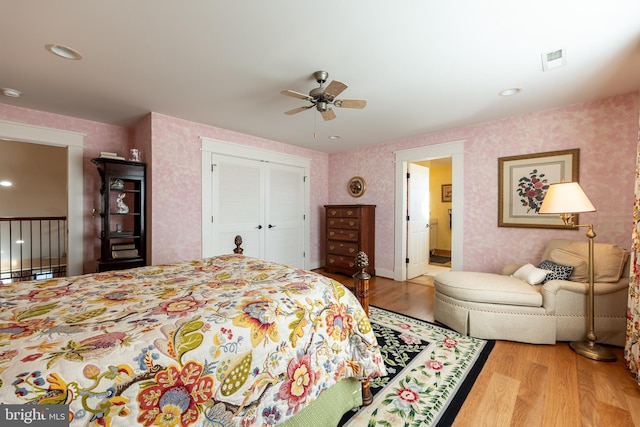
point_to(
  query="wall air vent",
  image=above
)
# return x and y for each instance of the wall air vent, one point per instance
(554, 59)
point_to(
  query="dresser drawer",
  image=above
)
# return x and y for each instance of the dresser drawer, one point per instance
(350, 223)
(342, 234)
(341, 262)
(335, 247)
(343, 212)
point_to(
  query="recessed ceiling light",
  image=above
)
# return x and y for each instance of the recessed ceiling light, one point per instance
(335, 137)
(6, 183)
(510, 92)
(13, 93)
(63, 51)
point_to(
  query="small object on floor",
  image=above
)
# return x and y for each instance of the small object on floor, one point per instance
(439, 259)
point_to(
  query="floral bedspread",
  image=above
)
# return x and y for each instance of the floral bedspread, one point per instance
(223, 341)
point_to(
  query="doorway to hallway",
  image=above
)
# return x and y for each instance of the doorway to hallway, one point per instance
(455, 152)
(429, 195)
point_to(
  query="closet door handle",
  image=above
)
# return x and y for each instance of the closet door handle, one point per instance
(259, 227)
(271, 226)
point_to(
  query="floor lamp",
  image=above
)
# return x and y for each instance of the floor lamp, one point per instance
(566, 199)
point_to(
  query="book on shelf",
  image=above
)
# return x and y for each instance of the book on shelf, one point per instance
(105, 156)
(121, 246)
(125, 253)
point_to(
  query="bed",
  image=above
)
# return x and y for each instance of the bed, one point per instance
(225, 341)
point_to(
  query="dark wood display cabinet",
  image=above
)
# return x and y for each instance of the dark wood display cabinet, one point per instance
(349, 230)
(122, 214)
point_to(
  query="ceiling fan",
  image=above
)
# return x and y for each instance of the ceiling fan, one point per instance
(324, 97)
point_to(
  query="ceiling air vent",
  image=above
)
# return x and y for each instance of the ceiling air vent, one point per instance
(554, 59)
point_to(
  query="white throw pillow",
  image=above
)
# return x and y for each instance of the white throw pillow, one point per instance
(530, 274)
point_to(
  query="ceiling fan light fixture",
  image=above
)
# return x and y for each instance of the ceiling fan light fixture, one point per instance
(63, 51)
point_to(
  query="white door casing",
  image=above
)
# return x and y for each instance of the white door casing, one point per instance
(455, 150)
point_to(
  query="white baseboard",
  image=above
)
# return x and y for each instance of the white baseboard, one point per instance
(383, 272)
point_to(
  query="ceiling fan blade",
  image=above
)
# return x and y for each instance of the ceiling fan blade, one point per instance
(334, 89)
(296, 94)
(329, 114)
(297, 110)
(350, 103)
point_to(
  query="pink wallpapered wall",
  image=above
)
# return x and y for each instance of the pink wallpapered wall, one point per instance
(605, 131)
(176, 196)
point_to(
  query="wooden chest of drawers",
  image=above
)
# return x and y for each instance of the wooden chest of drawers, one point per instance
(349, 230)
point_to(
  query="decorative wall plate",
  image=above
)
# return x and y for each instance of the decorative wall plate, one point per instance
(356, 186)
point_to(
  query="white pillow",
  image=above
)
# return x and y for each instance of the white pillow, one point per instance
(530, 274)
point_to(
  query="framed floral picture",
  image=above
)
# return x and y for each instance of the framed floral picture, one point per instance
(523, 182)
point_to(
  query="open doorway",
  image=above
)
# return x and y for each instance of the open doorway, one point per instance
(33, 212)
(429, 224)
(74, 143)
(454, 151)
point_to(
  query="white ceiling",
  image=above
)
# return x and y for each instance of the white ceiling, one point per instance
(422, 65)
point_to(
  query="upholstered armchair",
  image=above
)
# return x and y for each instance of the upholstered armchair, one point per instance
(519, 305)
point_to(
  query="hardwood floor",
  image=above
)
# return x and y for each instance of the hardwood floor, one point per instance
(524, 384)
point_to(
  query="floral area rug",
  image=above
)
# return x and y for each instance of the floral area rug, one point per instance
(431, 370)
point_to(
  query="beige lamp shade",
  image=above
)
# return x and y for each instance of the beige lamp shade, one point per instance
(565, 197)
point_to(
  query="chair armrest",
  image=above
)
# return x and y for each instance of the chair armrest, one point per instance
(567, 298)
(555, 286)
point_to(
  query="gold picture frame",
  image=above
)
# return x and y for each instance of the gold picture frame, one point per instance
(356, 186)
(522, 184)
